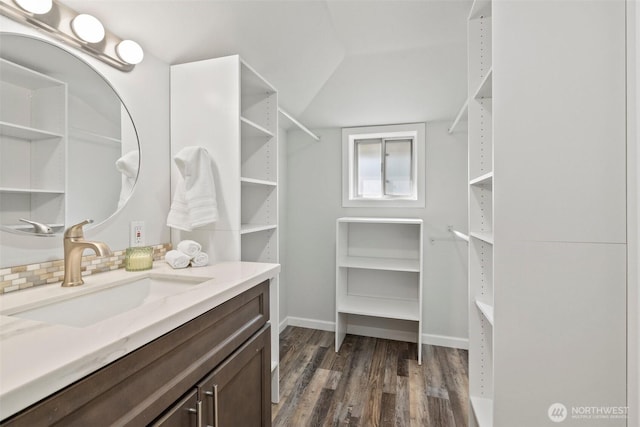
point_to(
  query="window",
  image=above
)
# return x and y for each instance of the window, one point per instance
(383, 166)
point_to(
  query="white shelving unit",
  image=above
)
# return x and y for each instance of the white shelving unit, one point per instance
(379, 271)
(259, 169)
(33, 129)
(481, 287)
(240, 134)
(547, 220)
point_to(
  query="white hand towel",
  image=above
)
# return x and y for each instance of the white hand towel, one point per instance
(194, 202)
(190, 248)
(200, 260)
(127, 165)
(177, 259)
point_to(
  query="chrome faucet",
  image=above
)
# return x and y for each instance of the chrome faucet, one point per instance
(74, 245)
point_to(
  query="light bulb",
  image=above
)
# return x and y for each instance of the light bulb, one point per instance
(130, 52)
(88, 28)
(35, 6)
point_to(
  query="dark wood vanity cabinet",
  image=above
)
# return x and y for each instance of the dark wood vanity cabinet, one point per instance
(237, 393)
(220, 359)
(186, 413)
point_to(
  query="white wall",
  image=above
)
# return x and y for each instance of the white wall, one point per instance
(145, 92)
(314, 202)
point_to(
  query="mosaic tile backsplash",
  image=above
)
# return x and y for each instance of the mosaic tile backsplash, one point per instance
(43, 273)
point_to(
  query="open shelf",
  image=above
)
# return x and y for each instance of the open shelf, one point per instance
(460, 235)
(254, 228)
(29, 191)
(483, 180)
(379, 271)
(26, 132)
(380, 307)
(25, 77)
(483, 410)
(380, 220)
(486, 310)
(375, 263)
(484, 236)
(485, 90)
(252, 82)
(88, 136)
(253, 181)
(253, 129)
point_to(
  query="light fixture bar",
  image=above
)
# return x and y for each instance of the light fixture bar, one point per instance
(58, 23)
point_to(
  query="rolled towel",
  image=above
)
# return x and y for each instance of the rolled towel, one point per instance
(177, 259)
(189, 247)
(200, 260)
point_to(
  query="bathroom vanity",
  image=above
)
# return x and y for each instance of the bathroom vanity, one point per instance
(195, 350)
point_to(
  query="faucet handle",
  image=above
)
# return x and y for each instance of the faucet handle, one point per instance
(75, 231)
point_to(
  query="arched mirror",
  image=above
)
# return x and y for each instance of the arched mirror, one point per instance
(68, 147)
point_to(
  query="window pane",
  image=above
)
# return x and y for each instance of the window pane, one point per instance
(398, 167)
(369, 168)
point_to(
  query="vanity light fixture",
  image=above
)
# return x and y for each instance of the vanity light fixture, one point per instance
(130, 52)
(81, 31)
(35, 6)
(88, 28)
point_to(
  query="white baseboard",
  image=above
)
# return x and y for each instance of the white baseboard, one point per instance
(431, 339)
(311, 323)
(446, 341)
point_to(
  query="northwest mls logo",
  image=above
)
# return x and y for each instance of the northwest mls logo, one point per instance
(557, 412)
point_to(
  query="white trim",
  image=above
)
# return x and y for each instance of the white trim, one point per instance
(283, 325)
(320, 325)
(633, 214)
(431, 339)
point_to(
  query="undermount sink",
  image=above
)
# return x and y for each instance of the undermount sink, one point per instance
(85, 309)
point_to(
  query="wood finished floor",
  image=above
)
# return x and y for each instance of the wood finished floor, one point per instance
(370, 382)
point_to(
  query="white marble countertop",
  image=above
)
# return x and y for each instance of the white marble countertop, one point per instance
(38, 359)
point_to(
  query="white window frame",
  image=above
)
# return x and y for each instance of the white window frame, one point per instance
(414, 131)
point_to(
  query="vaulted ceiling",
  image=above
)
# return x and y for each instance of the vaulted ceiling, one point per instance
(334, 62)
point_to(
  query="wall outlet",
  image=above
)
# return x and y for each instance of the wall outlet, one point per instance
(137, 234)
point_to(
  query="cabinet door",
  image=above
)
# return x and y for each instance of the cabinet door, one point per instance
(185, 413)
(238, 392)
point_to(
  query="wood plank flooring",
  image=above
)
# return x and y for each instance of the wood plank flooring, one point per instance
(371, 382)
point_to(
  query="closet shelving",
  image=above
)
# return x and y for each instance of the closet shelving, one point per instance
(259, 154)
(32, 146)
(252, 129)
(486, 310)
(378, 271)
(546, 254)
(25, 132)
(240, 133)
(481, 241)
(259, 186)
